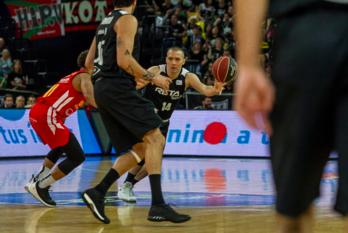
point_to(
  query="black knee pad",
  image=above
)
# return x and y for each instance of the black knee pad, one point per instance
(54, 155)
(75, 155)
(142, 162)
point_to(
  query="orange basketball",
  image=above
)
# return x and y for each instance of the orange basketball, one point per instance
(225, 69)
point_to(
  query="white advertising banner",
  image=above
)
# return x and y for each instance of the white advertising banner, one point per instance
(18, 138)
(213, 133)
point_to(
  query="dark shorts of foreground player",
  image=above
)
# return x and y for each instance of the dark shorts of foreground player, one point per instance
(126, 115)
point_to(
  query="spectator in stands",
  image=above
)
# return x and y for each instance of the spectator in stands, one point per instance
(221, 7)
(195, 36)
(217, 51)
(206, 11)
(15, 78)
(2, 45)
(182, 18)
(190, 25)
(175, 34)
(215, 33)
(30, 101)
(229, 87)
(3, 83)
(206, 45)
(231, 10)
(208, 29)
(225, 25)
(208, 73)
(197, 53)
(206, 104)
(166, 8)
(5, 63)
(187, 6)
(227, 53)
(20, 101)
(8, 102)
(208, 80)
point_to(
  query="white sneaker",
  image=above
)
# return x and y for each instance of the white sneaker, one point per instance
(125, 192)
(31, 181)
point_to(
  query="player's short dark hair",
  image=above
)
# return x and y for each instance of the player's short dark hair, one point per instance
(177, 49)
(7, 96)
(81, 59)
(122, 3)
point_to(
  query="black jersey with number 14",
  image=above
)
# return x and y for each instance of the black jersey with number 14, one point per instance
(166, 104)
(105, 64)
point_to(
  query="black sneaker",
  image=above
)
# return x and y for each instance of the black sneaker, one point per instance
(41, 194)
(95, 202)
(160, 213)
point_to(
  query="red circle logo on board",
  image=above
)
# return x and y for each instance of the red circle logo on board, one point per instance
(215, 133)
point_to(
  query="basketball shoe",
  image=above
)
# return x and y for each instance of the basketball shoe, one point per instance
(31, 181)
(95, 202)
(160, 213)
(41, 194)
(125, 192)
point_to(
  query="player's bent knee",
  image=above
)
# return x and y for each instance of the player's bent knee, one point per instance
(155, 138)
(139, 150)
(136, 156)
(77, 158)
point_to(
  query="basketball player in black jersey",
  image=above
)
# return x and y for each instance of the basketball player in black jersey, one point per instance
(308, 111)
(166, 104)
(131, 121)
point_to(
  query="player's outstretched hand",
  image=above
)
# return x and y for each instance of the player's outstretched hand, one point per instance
(254, 97)
(162, 81)
(219, 87)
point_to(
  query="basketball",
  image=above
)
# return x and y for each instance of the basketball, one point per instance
(225, 69)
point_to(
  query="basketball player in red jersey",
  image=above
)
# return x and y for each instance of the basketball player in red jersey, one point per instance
(47, 118)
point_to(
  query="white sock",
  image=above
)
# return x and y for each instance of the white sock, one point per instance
(44, 171)
(47, 181)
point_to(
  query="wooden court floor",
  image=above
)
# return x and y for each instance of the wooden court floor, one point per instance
(221, 195)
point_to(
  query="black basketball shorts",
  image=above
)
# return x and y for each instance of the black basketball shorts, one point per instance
(126, 115)
(310, 115)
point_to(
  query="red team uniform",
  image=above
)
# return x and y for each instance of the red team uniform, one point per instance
(57, 103)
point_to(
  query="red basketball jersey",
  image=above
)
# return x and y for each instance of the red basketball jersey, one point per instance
(63, 97)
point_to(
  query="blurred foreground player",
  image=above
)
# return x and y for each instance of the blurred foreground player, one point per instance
(309, 109)
(47, 118)
(166, 104)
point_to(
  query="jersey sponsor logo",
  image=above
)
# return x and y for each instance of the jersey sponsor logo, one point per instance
(102, 31)
(173, 94)
(178, 82)
(69, 111)
(96, 70)
(107, 20)
(64, 80)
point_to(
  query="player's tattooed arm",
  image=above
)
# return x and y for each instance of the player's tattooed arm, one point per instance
(130, 70)
(118, 42)
(148, 76)
(127, 52)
